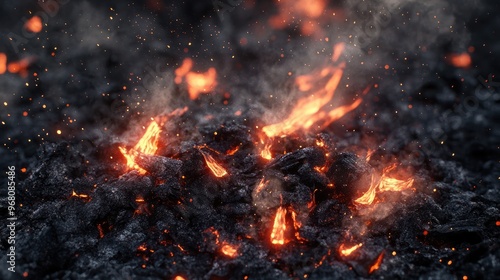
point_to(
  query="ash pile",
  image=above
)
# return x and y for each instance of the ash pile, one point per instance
(141, 152)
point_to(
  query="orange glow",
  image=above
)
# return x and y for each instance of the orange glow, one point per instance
(178, 277)
(20, 67)
(229, 250)
(462, 60)
(304, 12)
(377, 263)
(196, 82)
(3, 63)
(384, 184)
(279, 227)
(497, 223)
(148, 145)
(216, 168)
(34, 24)
(347, 251)
(201, 82)
(313, 108)
(182, 71)
(338, 49)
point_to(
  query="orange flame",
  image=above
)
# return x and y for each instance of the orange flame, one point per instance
(229, 250)
(384, 184)
(265, 153)
(279, 227)
(216, 168)
(34, 24)
(196, 82)
(347, 251)
(311, 109)
(369, 195)
(377, 263)
(148, 145)
(178, 277)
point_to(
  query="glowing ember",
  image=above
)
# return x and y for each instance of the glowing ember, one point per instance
(347, 251)
(233, 151)
(312, 109)
(178, 277)
(82, 196)
(34, 24)
(148, 145)
(377, 263)
(462, 60)
(262, 184)
(229, 250)
(279, 227)
(216, 168)
(196, 82)
(101, 232)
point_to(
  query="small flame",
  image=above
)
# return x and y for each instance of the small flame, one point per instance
(369, 196)
(216, 168)
(384, 184)
(377, 263)
(148, 145)
(347, 251)
(34, 24)
(266, 152)
(279, 227)
(229, 250)
(313, 108)
(178, 277)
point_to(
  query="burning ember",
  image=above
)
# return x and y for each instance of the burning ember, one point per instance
(147, 145)
(313, 140)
